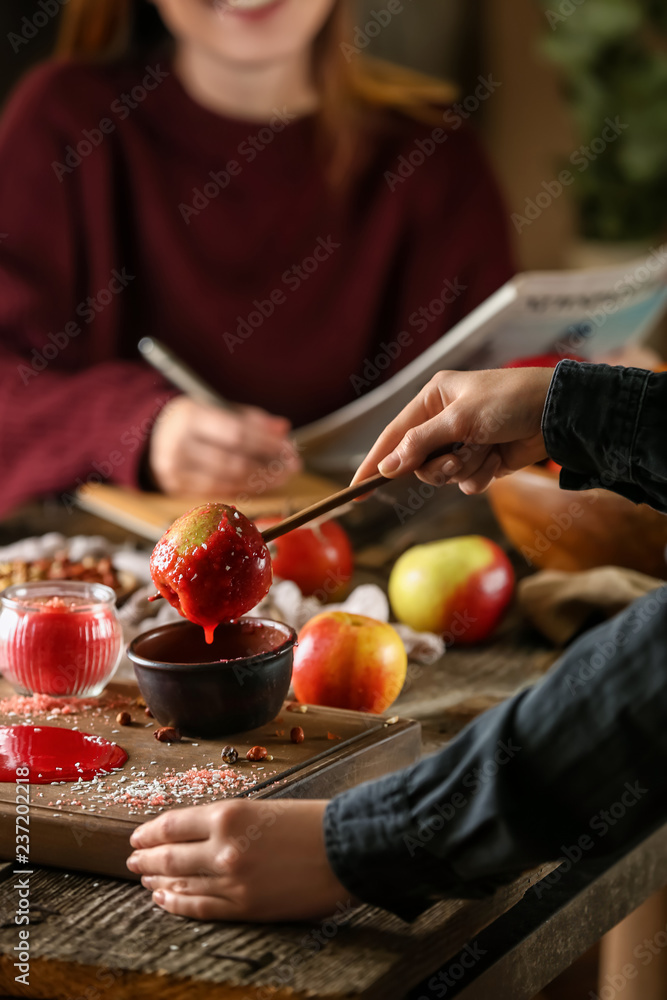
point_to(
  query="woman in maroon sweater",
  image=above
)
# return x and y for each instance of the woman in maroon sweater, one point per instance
(247, 188)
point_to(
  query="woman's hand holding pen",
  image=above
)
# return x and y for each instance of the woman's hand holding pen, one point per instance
(202, 450)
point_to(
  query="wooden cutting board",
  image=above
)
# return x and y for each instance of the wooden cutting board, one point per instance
(150, 514)
(87, 826)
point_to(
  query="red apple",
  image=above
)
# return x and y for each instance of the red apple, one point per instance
(318, 558)
(349, 661)
(458, 588)
(549, 360)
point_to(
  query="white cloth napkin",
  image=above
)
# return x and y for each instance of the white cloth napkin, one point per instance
(284, 602)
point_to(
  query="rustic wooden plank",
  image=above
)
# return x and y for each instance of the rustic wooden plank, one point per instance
(106, 933)
(467, 681)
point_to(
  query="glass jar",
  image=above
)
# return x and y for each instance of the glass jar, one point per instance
(59, 637)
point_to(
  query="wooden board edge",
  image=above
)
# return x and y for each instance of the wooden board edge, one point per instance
(111, 852)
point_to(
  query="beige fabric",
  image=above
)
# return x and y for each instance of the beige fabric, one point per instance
(560, 604)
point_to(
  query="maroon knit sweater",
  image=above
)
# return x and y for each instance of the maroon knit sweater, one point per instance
(126, 210)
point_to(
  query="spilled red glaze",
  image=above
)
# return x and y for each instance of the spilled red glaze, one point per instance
(55, 754)
(212, 565)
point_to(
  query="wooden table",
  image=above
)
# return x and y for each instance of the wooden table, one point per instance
(105, 932)
(102, 938)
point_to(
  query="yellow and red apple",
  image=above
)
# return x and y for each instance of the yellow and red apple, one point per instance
(459, 588)
(349, 661)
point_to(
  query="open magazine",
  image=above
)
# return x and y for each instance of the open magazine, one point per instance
(591, 313)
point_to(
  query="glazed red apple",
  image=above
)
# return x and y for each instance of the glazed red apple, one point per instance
(459, 588)
(349, 661)
(212, 565)
(318, 558)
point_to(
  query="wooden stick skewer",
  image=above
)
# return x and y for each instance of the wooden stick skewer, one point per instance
(332, 502)
(339, 499)
(323, 507)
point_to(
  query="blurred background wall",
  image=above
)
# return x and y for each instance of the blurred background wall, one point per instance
(524, 124)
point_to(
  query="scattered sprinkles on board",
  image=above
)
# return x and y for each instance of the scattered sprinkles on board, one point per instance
(142, 794)
(132, 788)
(27, 707)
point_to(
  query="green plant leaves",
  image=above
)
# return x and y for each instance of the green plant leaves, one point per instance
(612, 55)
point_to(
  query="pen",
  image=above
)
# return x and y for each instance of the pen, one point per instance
(179, 374)
(183, 377)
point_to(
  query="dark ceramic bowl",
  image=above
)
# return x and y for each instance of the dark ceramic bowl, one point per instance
(239, 682)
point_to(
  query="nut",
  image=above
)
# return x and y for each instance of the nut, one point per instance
(124, 719)
(167, 734)
(148, 712)
(297, 735)
(139, 702)
(229, 755)
(257, 753)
